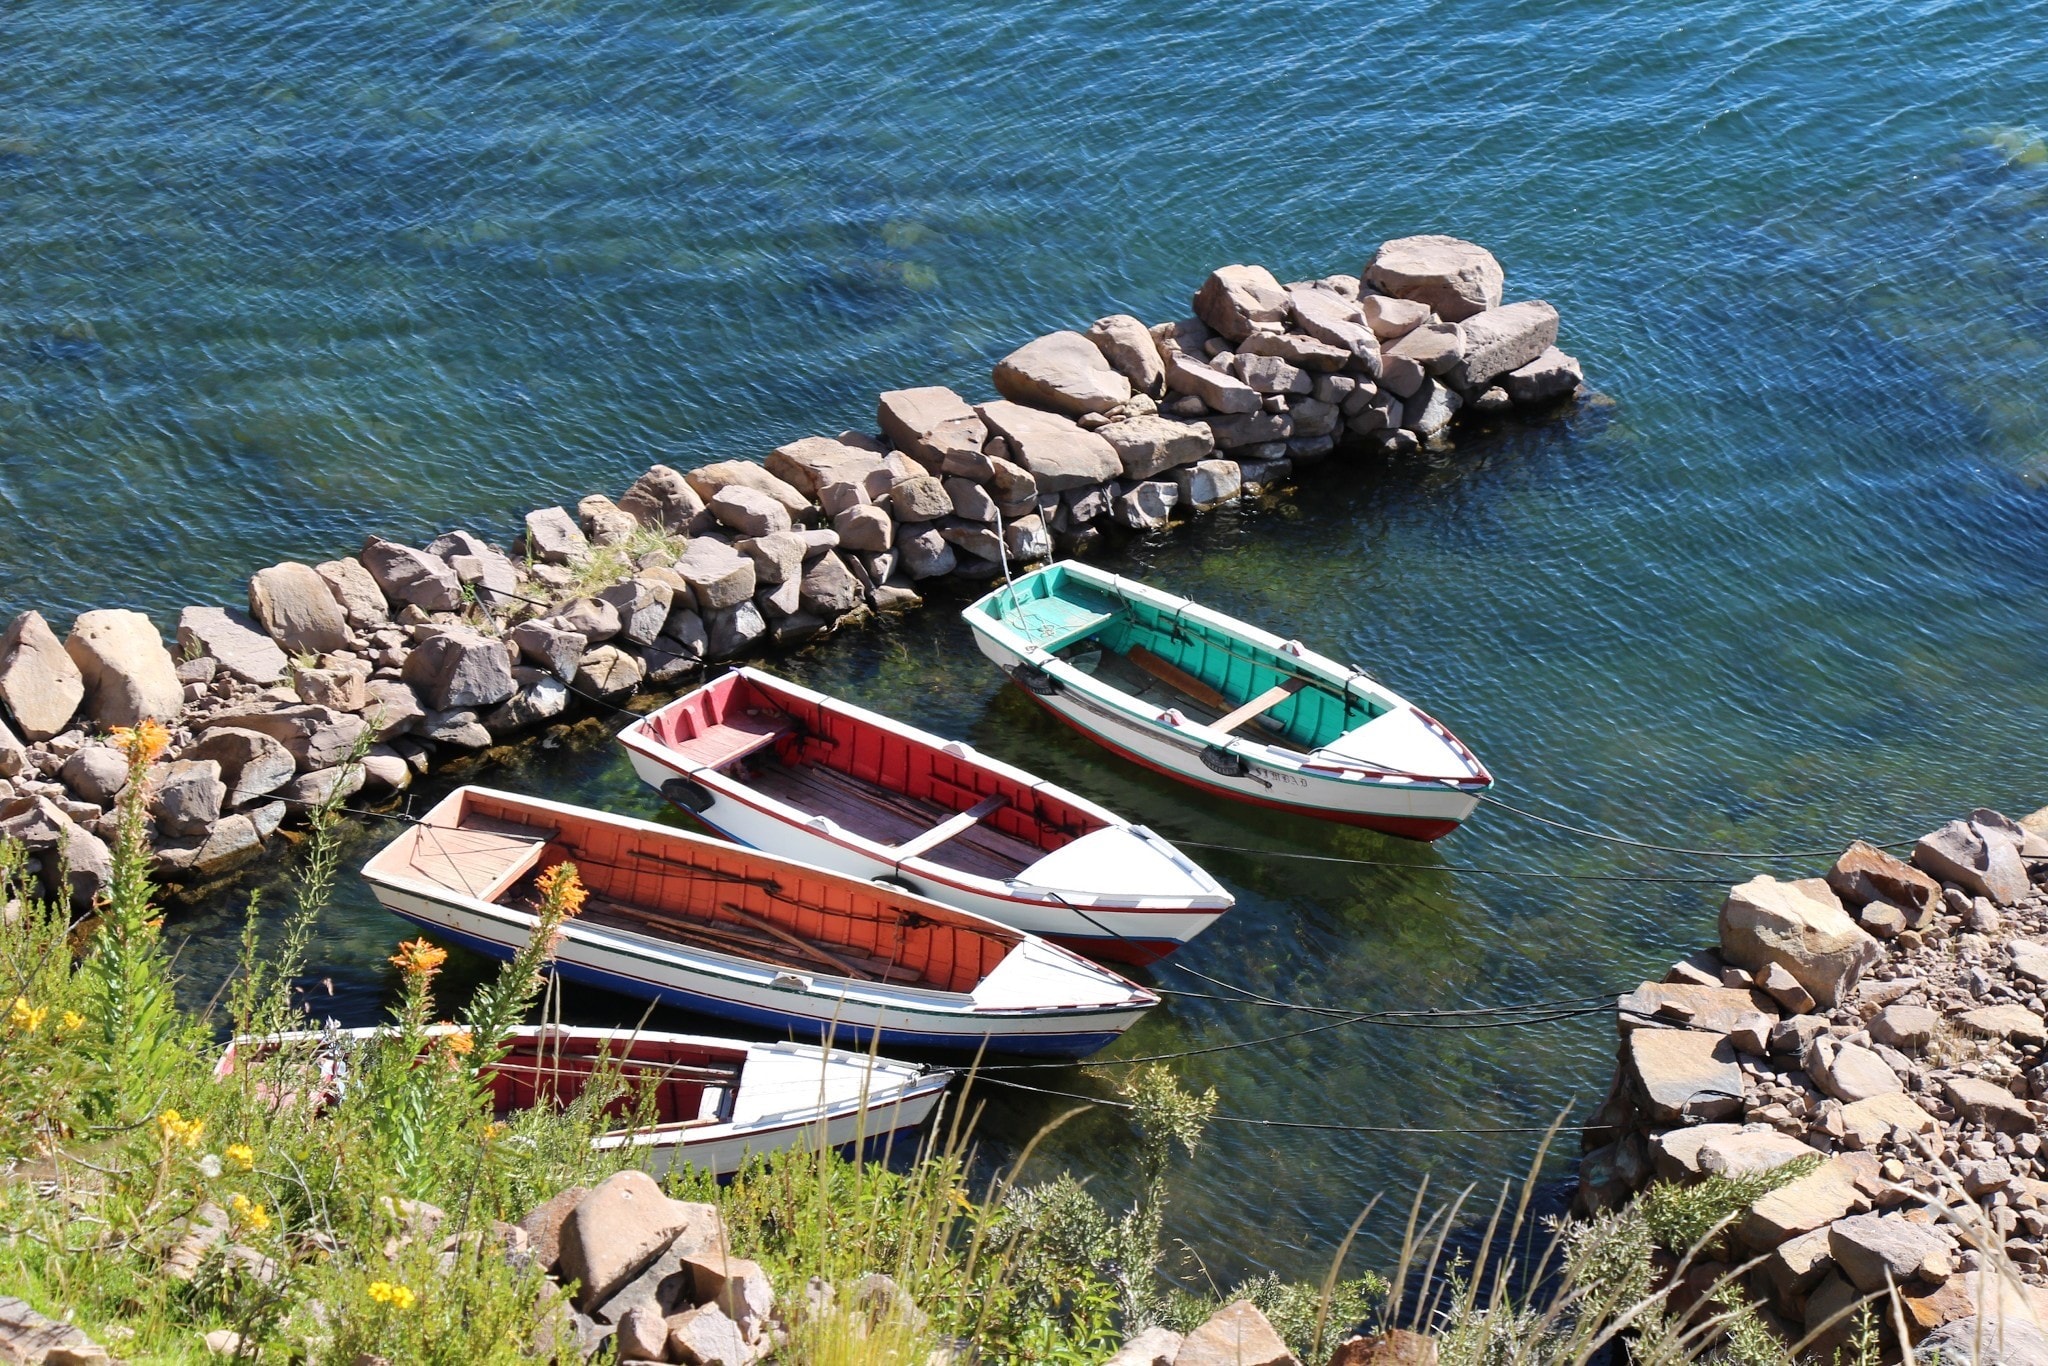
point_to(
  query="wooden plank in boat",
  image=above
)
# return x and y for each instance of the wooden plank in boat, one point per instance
(1177, 678)
(476, 863)
(734, 738)
(956, 825)
(889, 817)
(1263, 703)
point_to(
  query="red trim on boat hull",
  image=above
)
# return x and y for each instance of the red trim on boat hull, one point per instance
(1407, 827)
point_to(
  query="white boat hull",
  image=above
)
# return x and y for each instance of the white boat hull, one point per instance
(760, 994)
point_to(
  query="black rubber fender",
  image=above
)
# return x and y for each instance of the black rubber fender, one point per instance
(1225, 763)
(1031, 678)
(688, 793)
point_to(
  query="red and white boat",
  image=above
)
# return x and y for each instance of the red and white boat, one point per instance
(716, 1101)
(785, 769)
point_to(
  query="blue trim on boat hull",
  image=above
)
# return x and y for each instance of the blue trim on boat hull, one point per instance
(802, 1026)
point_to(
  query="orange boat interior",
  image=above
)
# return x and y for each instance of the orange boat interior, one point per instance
(885, 787)
(670, 886)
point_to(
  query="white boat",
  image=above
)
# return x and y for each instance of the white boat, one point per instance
(729, 931)
(1225, 706)
(782, 768)
(716, 1101)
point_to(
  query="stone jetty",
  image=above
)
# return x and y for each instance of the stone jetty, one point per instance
(1885, 1023)
(408, 654)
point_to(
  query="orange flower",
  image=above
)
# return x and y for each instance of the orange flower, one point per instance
(418, 956)
(459, 1042)
(144, 743)
(563, 887)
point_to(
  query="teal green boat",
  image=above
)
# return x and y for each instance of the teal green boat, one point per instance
(1221, 704)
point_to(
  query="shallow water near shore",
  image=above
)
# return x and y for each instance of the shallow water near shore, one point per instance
(270, 280)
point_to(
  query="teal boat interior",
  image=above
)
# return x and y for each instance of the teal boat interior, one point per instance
(1166, 658)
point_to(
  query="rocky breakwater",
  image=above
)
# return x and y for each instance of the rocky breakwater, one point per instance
(1885, 1022)
(364, 670)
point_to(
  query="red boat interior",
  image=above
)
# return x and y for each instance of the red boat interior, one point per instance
(689, 1084)
(492, 846)
(885, 787)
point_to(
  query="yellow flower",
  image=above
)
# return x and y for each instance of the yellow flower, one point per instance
(562, 886)
(459, 1042)
(241, 1154)
(418, 956)
(145, 742)
(254, 1215)
(72, 1020)
(25, 1017)
(180, 1131)
(493, 1131)
(397, 1296)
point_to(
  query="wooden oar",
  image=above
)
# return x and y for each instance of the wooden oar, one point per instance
(795, 941)
(1177, 678)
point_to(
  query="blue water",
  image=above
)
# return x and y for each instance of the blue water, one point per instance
(272, 279)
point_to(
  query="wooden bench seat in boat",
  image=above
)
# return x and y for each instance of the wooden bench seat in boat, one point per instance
(892, 818)
(734, 738)
(478, 859)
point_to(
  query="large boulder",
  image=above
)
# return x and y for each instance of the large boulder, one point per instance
(1682, 1076)
(616, 1231)
(731, 631)
(1059, 454)
(1235, 1335)
(185, 797)
(482, 567)
(1150, 444)
(1454, 277)
(316, 737)
(1503, 339)
(1989, 1104)
(356, 591)
(748, 511)
(662, 498)
(39, 682)
(297, 608)
(1980, 859)
(1236, 299)
(719, 576)
(41, 824)
(95, 774)
(1849, 1072)
(553, 536)
(231, 639)
(930, 423)
(1865, 873)
(829, 589)
(1811, 1202)
(642, 605)
(1391, 319)
(807, 465)
(1127, 345)
(2010, 1340)
(1209, 483)
(413, 577)
(459, 668)
(1878, 1251)
(129, 677)
(1063, 371)
(1336, 321)
(1803, 928)
(251, 764)
(710, 480)
(393, 708)
(1551, 376)
(1218, 391)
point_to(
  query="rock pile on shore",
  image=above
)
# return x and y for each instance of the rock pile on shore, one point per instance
(408, 654)
(1886, 1019)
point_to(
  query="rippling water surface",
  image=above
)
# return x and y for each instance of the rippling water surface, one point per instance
(273, 279)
